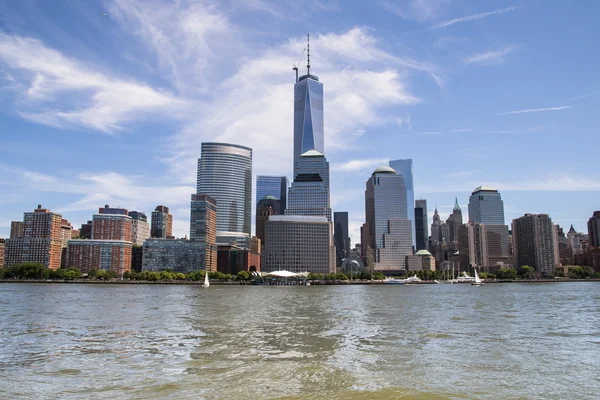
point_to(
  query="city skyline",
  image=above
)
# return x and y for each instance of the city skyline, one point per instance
(380, 95)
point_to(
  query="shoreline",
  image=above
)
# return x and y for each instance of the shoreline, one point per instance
(249, 283)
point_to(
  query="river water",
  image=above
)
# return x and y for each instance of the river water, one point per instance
(512, 341)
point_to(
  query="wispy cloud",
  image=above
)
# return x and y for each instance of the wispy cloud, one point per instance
(360, 165)
(420, 10)
(473, 17)
(536, 110)
(533, 129)
(488, 57)
(462, 130)
(431, 133)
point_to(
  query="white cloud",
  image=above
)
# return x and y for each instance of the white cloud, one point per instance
(431, 133)
(474, 17)
(533, 129)
(462, 130)
(536, 110)
(71, 94)
(360, 165)
(420, 10)
(488, 57)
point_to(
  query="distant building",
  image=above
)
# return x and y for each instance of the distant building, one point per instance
(140, 229)
(454, 221)
(41, 241)
(112, 210)
(112, 227)
(178, 255)
(2, 247)
(137, 253)
(388, 227)
(486, 207)
(16, 229)
(594, 230)
(274, 186)
(472, 245)
(534, 241)
(85, 232)
(238, 239)
(66, 231)
(203, 227)
(107, 255)
(340, 236)
(162, 223)
(421, 261)
(421, 224)
(232, 259)
(309, 131)
(574, 240)
(405, 168)
(268, 206)
(225, 174)
(299, 244)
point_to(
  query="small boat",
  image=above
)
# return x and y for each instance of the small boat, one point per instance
(394, 281)
(206, 282)
(477, 281)
(464, 278)
(407, 281)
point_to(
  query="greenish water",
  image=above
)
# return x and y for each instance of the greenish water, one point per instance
(525, 341)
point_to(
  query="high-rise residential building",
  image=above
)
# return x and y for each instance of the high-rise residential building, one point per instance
(340, 236)
(111, 227)
(162, 223)
(534, 240)
(225, 174)
(85, 232)
(574, 240)
(203, 227)
(309, 193)
(267, 206)
(178, 255)
(2, 247)
(388, 226)
(41, 241)
(421, 224)
(140, 229)
(486, 207)
(594, 230)
(299, 243)
(16, 229)
(112, 210)
(404, 168)
(472, 245)
(107, 255)
(274, 186)
(308, 116)
(66, 231)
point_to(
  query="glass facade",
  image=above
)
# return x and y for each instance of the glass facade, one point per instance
(309, 193)
(272, 186)
(340, 236)
(421, 224)
(225, 174)
(308, 117)
(486, 206)
(404, 168)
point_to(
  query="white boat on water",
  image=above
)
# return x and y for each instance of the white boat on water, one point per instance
(394, 281)
(477, 281)
(464, 278)
(206, 282)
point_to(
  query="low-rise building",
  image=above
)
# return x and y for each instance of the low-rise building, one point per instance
(179, 255)
(108, 255)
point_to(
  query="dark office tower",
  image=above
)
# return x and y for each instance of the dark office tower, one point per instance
(535, 240)
(454, 222)
(309, 193)
(162, 223)
(340, 236)
(404, 168)
(308, 115)
(594, 230)
(276, 186)
(267, 206)
(225, 174)
(421, 224)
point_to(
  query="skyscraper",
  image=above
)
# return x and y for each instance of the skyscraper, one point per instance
(340, 236)
(162, 223)
(140, 229)
(225, 174)
(594, 230)
(486, 207)
(534, 243)
(421, 224)
(308, 115)
(276, 186)
(404, 168)
(309, 193)
(472, 240)
(269, 205)
(388, 226)
(203, 228)
(454, 221)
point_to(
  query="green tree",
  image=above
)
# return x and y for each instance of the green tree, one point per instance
(166, 275)
(152, 276)
(507, 273)
(341, 276)
(378, 276)
(526, 272)
(180, 276)
(243, 276)
(72, 273)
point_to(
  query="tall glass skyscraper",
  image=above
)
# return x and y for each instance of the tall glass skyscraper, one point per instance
(308, 117)
(225, 174)
(486, 207)
(272, 186)
(309, 193)
(404, 168)
(389, 232)
(421, 224)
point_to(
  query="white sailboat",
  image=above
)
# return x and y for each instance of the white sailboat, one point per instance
(477, 281)
(206, 282)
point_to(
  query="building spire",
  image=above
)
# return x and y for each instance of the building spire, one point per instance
(308, 53)
(456, 206)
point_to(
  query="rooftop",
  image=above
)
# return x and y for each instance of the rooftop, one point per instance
(484, 188)
(311, 153)
(422, 253)
(385, 170)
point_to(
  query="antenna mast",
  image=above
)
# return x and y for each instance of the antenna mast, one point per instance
(308, 52)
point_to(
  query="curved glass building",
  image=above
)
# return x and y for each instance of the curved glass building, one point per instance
(308, 117)
(225, 174)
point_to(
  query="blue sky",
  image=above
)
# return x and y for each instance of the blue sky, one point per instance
(109, 101)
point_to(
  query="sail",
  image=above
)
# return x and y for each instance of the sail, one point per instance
(206, 282)
(477, 276)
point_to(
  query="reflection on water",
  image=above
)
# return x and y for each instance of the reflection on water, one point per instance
(382, 342)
